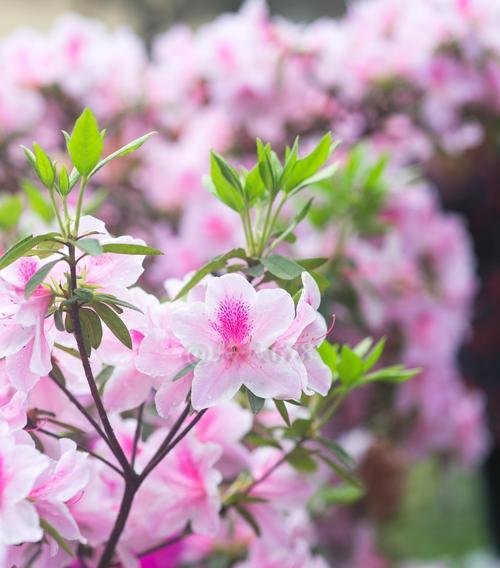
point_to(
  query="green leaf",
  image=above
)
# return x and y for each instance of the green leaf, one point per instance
(91, 322)
(307, 167)
(11, 208)
(113, 301)
(322, 175)
(114, 323)
(184, 371)
(350, 366)
(338, 451)
(68, 323)
(51, 531)
(254, 186)
(394, 374)
(44, 168)
(373, 357)
(281, 406)
(123, 151)
(90, 246)
(41, 206)
(226, 184)
(57, 373)
(363, 346)
(64, 185)
(123, 248)
(282, 267)
(329, 355)
(248, 517)
(300, 458)
(58, 321)
(342, 494)
(30, 156)
(256, 402)
(311, 263)
(266, 166)
(217, 263)
(342, 472)
(39, 277)
(259, 441)
(85, 144)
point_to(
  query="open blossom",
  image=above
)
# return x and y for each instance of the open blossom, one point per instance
(20, 466)
(23, 328)
(182, 489)
(232, 332)
(161, 356)
(307, 331)
(295, 554)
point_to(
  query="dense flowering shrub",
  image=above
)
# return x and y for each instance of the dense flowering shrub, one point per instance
(420, 97)
(211, 464)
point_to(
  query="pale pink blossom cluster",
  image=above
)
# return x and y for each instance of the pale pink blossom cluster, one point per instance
(236, 334)
(373, 75)
(370, 75)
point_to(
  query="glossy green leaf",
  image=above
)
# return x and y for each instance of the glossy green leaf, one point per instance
(308, 166)
(301, 459)
(89, 246)
(225, 182)
(44, 168)
(114, 323)
(123, 151)
(281, 407)
(22, 247)
(256, 402)
(51, 531)
(282, 267)
(64, 184)
(123, 248)
(85, 144)
(39, 277)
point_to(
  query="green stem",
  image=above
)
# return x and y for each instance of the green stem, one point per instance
(56, 211)
(267, 219)
(83, 185)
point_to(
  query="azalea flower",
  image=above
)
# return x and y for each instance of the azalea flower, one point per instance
(20, 466)
(231, 333)
(23, 325)
(305, 334)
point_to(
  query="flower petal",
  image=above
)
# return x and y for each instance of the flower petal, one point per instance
(274, 313)
(269, 375)
(214, 382)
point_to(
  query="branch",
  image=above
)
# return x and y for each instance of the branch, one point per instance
(83, 449)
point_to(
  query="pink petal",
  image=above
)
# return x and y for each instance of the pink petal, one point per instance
(318, 373)
(126, 389)
(214, 382)
(191, 325)
(229, 286)
(171, 395)
(269, 375)
(274, 313)
(19, 523)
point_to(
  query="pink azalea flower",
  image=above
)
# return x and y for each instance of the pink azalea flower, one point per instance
(62, 482)
(20, 466)
(307, 331)
(182, 489)
(23, 339)
(161, 356)
(232, 332)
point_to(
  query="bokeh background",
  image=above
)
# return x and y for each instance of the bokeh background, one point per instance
(433, 105)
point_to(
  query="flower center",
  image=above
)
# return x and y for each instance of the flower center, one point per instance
(233, 324)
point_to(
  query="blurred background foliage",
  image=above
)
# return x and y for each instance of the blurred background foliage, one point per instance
(148, 17)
